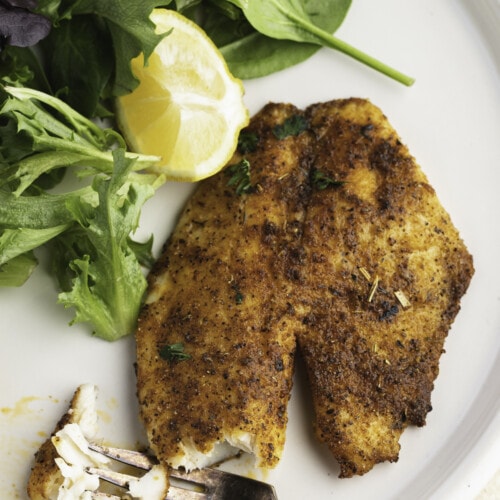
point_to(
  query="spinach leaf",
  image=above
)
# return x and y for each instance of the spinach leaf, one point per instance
(90, 46)
(79, 62)
(222, 25)
(187, 7)
(290, 20)
(132, 32)
(257, 55)
(250, 53)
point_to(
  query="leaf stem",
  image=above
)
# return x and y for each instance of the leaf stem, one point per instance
(345, 48)
(337, 44)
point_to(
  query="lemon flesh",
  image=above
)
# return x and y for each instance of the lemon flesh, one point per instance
(188, 109)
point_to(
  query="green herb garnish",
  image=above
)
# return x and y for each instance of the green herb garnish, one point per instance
(174, 352)
(322, 181)
(247, 142)
(240, 177)
(292, 126)
(238, 294)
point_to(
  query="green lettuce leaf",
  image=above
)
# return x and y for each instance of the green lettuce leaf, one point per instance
(17, 270)
(109, 283)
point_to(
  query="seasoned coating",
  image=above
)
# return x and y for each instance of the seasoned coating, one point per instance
(339, 222)
(217, 291)
(371, 358)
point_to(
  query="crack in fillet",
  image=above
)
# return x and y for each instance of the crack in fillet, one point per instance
(245, 280)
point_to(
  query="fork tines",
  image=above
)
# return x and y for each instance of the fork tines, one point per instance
(202, 484)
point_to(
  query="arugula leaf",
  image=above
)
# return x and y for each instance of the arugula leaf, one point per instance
(55, 143)
(41, 211)
(14, 242)
(289, 20)
(17, 261)
(109, 283)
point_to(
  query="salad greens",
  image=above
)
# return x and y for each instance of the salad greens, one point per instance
(101, 236)
(86, 45)
(46, 134)
(88, 229)
(259, 37)
(88, 54)
(19, 26)
(62, 62)
(251, 53)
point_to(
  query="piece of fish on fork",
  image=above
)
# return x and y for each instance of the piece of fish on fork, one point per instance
(202, 484)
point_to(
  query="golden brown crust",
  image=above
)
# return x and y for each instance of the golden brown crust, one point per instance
(304, 261)
(214, 290)
(372, 363)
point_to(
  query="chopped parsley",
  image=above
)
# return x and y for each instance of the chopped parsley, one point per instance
(238, 295)
(174, 352)
(240, 177)
(292, 126)
(247, 142)
(321, 181)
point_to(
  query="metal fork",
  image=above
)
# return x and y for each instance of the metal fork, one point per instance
(202, 484)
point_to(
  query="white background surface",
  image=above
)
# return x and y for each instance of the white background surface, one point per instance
(450, 119)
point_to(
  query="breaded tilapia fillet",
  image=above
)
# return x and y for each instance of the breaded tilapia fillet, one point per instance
(217, 290)
(335, 243)
(372, 358)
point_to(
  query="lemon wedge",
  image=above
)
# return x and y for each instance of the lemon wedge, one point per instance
(188, 108)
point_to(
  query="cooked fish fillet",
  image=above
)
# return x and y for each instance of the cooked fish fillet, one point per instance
(371, 358)
(337, 223)
(46, 478)
(60, 470)
(217, 290)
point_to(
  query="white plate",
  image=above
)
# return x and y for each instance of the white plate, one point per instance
(450, 119)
